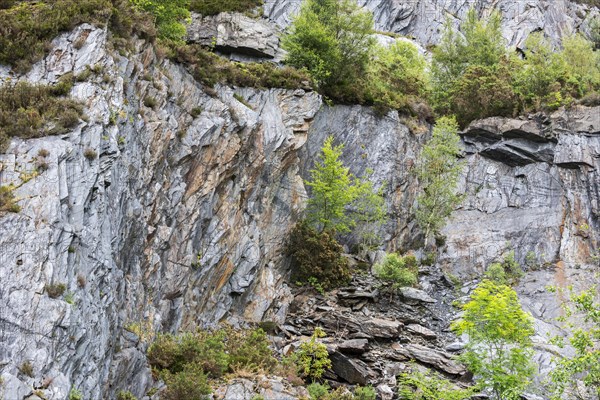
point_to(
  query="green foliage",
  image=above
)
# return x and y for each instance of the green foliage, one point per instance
(173, 353)
(317, 255)
(438, 172)
(430, 386)
(584, 365)
(332, 191)
(365, 393)
(396, 75)
(317, 390)
(213, 7)
(75, 394)
(506, 272)
(30, 111)
(463, 62)
(399, 271)
(7, 200)
(499, 349)
(191, 384)
(215, 352)
(126, 395)
(332, 40)
(170, 16)
(312, 357)
(27, 28)
(210, 69)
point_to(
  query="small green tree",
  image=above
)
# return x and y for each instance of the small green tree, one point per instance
(479, 51)
(438, 172)
(333, 190)
(499, 349)
(399, 271)
(312, 357)
(396, 74)
(333, 40)
(584, 366)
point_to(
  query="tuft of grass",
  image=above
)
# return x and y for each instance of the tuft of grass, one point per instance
(7, 200)
(210, 69)
(90, 154)
(30, 111)
(28, 27)
(26, 369)
(150, 102)
(55, 290)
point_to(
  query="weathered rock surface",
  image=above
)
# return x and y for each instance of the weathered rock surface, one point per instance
(236, 35)
(164, 230)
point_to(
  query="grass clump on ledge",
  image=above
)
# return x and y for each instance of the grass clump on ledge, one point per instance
(7, 200)
(210, 69)
(186, 361)
(30, 111)
(27, 28)
(213, 7)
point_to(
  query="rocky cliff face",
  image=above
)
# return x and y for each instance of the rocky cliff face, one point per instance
(180, 217)
(186, 206)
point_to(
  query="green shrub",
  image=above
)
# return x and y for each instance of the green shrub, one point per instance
(55, 290)
(496, 274)
(312, 357)
(249, 350)
(191, 384)
(7, 200)
(396, 74)
(332, 40)
(75, 394)
(29, 111)
(317, 390)
(126, 395)
(317, 255)
(430, 386)
(170, 16)
(213, 7)
(365, 393)
(173, 353)
(210, 69)
(27, 28)
(394, 269)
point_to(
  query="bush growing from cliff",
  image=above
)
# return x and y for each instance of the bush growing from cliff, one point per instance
(499, 350)
(332, 40)
(398, 271)
(317, 255)
(170, 16)
(190, 383)
(397, 76)
(469, 74)
(438, 170)
(210, 69)
(30, 111)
